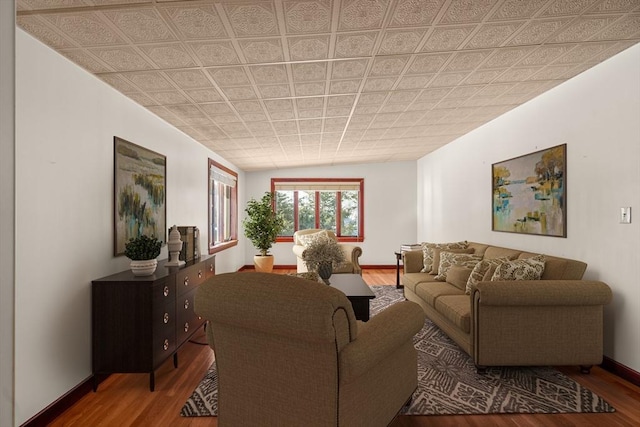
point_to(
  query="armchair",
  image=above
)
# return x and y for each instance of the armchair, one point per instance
(351, 252)
(290, 352)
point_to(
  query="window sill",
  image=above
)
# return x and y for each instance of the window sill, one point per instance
(222, 246)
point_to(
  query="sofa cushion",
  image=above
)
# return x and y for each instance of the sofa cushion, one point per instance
(307, 239)
(436, 257)
(521, 269)
(559, 268)
(427, 252)
(483, 271)
(449, 259)
(457, 309)
(431, 291)
(498, 252)
(410, 280)
(458, 276)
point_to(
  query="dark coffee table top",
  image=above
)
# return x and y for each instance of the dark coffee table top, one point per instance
(352, 285)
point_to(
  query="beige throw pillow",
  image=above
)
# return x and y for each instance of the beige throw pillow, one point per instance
(483, 271)
(427, 252)
(436, 256)
(458, 276)
(449, 259)
(307, 239)
(520, 269)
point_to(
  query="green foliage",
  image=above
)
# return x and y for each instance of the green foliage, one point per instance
(319, 251)
(142, 248)
(262, 224)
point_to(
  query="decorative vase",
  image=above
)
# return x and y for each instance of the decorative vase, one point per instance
(325, 270)
(143, 267)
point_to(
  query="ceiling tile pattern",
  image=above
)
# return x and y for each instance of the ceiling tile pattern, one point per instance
(286, 83)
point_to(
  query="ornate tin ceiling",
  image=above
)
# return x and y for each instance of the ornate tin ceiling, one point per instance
(275, 84)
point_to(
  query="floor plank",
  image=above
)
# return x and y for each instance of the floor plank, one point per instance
(125, 400)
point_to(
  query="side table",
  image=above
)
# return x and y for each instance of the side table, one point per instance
(398, 258)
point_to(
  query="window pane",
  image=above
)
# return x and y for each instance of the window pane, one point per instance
(328, 210)
(284, 205)
(306, 210)
(349, 213)
(223, 212)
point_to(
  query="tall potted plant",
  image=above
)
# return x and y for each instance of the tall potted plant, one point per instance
(262, 226)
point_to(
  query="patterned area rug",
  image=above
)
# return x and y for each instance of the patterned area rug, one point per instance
(449, 385)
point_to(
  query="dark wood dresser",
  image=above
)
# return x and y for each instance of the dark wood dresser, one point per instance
(139, 322)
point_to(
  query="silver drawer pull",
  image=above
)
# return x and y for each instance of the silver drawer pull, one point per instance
(186, 304)
(166, 318)
(199, 274)
(165, 346)
(186, 281)
(211, 268)
(186, 326)
(165, 291)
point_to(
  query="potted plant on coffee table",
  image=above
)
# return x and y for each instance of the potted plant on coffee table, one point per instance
(323, 256)
(262, 226)
(143, 252)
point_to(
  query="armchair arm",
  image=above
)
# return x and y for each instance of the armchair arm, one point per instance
(542, 293)
(412, 261)
(352, 253)
(379, 337)
(298, 250)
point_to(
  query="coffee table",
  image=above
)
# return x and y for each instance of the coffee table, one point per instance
(356, 290)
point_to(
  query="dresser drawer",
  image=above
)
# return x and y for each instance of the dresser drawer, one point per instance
(190, 278)
(187, 320)
(163, 292)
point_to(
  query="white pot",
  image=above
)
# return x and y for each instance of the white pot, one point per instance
(143, 267)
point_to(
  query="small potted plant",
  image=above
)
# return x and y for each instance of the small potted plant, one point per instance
(143, 252)
(323, 256)
(262, 226)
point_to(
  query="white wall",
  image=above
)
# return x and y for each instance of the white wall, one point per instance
(389, 202)
(597, 114)
(66, 121)
(7, 209)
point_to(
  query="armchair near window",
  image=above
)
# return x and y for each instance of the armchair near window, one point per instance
(351, 252)
(289, 352)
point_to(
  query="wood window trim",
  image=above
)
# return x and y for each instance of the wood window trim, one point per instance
(345, 239)
(213, 248)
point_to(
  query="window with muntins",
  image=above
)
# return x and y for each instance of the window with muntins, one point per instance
(335, 204)
(223, 207)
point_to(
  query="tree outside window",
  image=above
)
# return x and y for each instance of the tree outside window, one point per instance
(327, 203)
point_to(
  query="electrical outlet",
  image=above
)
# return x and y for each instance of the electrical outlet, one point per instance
(625, 215)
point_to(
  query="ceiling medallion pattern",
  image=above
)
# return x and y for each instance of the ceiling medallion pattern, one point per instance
(286, 83)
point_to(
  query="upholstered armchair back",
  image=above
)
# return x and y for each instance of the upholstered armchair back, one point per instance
(352, 252)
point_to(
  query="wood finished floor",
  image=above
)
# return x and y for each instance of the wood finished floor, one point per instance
(124, 399)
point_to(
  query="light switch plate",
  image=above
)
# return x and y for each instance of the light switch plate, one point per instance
(625, 215)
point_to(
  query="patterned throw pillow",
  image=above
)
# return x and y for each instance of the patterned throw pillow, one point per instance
(449, 259)
(437, 252)
(479, 273)
(521, 269)
(427, 252)
(307, 239)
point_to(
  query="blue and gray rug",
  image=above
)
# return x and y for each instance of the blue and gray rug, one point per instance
(448, 383)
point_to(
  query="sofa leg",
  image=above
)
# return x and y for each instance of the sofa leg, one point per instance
(481, 370)
(585, 369)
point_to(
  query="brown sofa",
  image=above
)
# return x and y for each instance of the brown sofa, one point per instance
(557, 320)
(290, 352)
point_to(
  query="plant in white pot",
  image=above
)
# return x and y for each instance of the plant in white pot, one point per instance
(262, 226)
(143, 252)
(322, 256)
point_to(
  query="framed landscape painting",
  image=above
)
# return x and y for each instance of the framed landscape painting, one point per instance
(140, 182)
(529, 193)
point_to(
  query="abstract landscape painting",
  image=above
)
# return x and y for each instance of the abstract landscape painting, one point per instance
(529, 193)
(139, 193)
